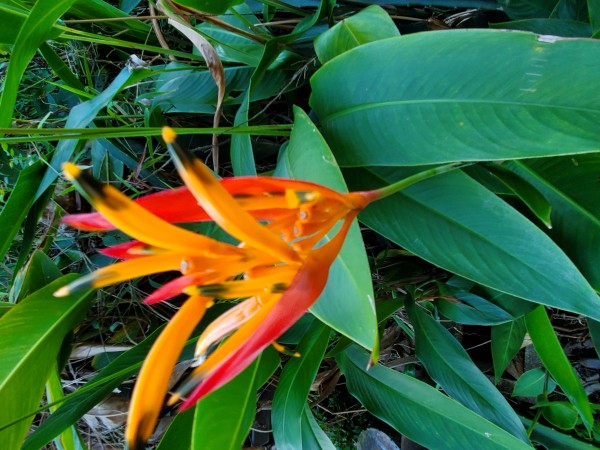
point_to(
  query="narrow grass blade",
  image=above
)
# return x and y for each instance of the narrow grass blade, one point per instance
(33, 33)
(81, 116)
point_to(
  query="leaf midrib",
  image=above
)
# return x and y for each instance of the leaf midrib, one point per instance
(387, 104)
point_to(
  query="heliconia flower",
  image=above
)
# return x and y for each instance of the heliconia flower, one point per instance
(280, 266)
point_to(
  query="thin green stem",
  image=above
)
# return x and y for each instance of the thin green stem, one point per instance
(393, 188)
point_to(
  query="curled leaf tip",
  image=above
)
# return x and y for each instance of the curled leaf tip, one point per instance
(169, 135)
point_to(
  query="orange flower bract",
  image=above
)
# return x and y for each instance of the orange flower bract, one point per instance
(280, 267)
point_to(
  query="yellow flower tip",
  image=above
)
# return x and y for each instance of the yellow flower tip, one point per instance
(173, 399)
(191, 290)
(71, 171)
(62, 292)
(169, 135)
(296, 355)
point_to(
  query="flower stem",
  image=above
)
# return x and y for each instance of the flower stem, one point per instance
(393, 188)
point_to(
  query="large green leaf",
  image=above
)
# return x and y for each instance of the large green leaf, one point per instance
(448, 363)
(34, 31)
(346, 304)
(370, 24)
(570, 185)
(417, 410)
(19, 202)
(223, 418)
(552, 355)
(457, 224)
(31, 335)
(294, 385)
(435, 97)
(188, 90)
(39, 271)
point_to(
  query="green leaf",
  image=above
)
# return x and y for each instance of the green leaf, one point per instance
(594, 327)
(5, 307)
(560, 414)
(457, 224)
(570, 185)
(554, 27)
(449, 365)
(417, 410)
(81, 116)
(507, 339)
(470, 309)
(346, 304)
(187, 90)
(294, 385)
(179, 434)
(69, 439)
(515, 105)
(555, 440)
(96, 9)
(31, 335)
(242, 157)
(39, 271)
(210, 6)
(532, 197)
(594, 13)
(533, 383)
(526, 9)
(18, 204)
(16, 16)
(108, 379)
(313, 437)
(549, 350)
(231, 408)
(370, 24)
(34, 31)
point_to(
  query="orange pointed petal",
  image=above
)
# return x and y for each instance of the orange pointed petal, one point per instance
(137, 222)
(152, 383)
(270, 322)
(223, 208)
(122, 271)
